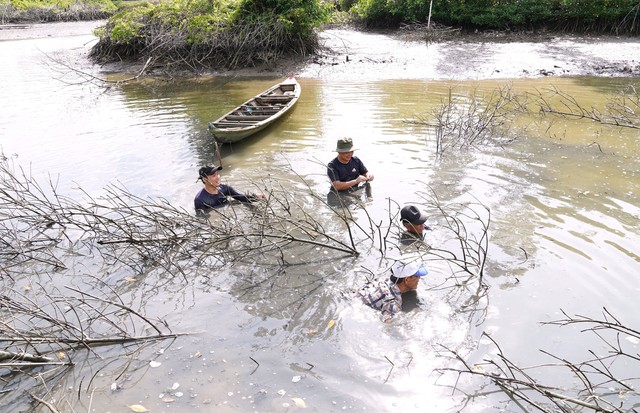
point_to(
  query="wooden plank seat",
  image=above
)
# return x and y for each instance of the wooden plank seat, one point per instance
(264, 108)
(225, 124)
(258, 111)
(262, 100)
(247, 117)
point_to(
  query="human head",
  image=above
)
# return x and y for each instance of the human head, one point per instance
(344, 145)
(406, 274)
(206, 171)
(412, 219)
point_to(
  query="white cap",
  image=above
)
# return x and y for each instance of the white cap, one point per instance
(407, 269)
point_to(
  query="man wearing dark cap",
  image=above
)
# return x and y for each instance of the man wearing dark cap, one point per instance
(386, 294)
(346, 171)
(413, 221)
(214, 194)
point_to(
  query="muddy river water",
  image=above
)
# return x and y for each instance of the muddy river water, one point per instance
(564, 232)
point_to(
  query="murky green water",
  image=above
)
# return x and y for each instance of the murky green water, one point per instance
(564, 235)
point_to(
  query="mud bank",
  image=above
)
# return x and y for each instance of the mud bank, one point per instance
(350, 54)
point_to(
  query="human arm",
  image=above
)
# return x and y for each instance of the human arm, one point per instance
(341, 186)
(390, 307)
(230, 191)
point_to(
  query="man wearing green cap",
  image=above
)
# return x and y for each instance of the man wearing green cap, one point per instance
(386, 294)
(346, 171)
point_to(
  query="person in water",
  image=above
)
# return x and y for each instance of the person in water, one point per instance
(386, 294)
(214, 194)
(414, 225)
(346, 172)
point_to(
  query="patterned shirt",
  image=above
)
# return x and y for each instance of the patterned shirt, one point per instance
(338, 171)
(382, 295)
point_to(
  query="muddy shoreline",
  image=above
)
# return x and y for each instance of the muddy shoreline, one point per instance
(351, 54)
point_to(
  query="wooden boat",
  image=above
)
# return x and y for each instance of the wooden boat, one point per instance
(256, 113)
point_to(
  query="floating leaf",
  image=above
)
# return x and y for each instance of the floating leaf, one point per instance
(138, 408)
(154, 363)
(129, 279)
(168, 399)
(331, 323)
(299, 402)
(61, 355)
(197, 355)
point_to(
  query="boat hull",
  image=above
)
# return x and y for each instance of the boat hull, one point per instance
(256, 113)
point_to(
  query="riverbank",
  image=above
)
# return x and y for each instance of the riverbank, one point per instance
(351, 54)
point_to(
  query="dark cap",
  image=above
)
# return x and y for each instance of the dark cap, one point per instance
(208, 170)
(412, 215)
(345, 145)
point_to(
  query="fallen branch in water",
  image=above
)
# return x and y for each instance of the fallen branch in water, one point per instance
(621, 111)
(600, 384)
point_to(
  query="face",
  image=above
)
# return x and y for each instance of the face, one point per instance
(412, 282)
(345, 157)
(213, 179)
(417, 229)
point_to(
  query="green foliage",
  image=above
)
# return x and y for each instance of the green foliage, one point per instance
(496, 14)
(192, 20)
(126, 25)
(60, 4)
(299, 17)
(56, 10)
(196, 33)
(391, 12)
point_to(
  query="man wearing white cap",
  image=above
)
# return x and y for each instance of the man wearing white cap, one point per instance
(386, 295)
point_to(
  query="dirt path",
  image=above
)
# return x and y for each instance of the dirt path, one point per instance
(351, 54)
